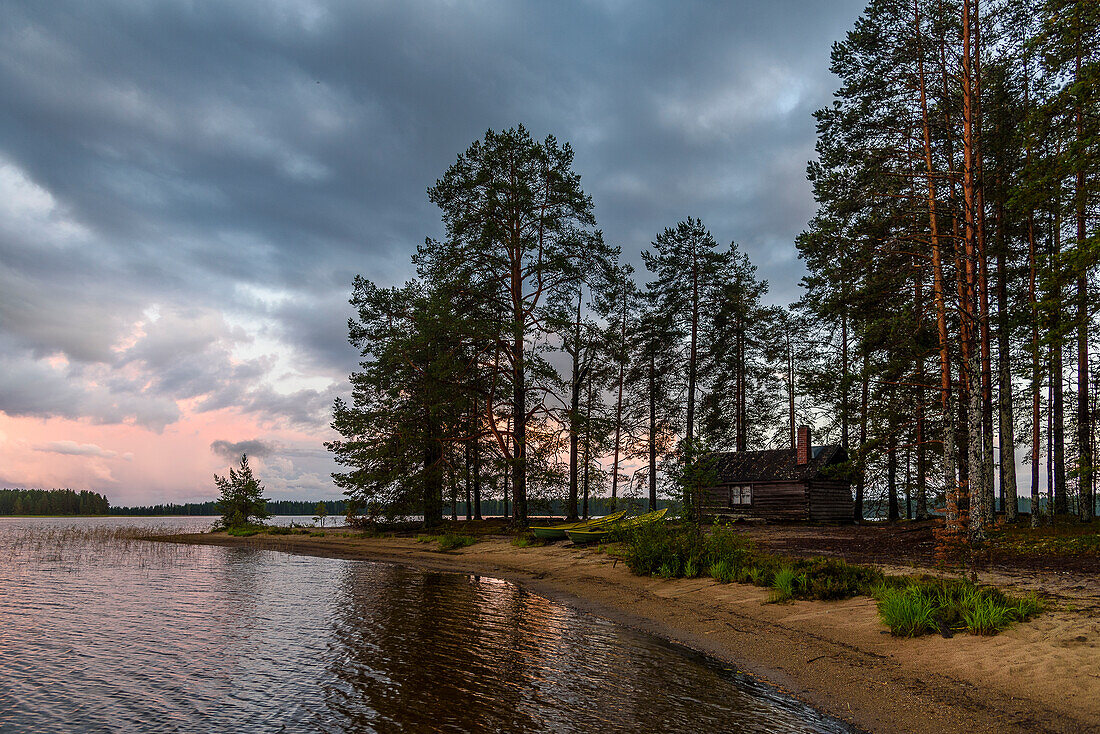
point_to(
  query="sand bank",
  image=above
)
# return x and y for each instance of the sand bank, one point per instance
(1042, 676)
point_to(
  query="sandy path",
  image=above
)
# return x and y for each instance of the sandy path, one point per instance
(1043, 676)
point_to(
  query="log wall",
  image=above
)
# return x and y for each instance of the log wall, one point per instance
(774, 501)
(820, 501)
(830, 501)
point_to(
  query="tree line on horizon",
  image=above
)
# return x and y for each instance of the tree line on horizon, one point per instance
(950, 266)
(210, 507)
(52, 502)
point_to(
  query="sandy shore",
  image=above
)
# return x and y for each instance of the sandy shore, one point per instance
(1042, 676)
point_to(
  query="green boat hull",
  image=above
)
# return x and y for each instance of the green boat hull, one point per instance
(558, 532)
(548, 533)
(581, 536)
(588, 536)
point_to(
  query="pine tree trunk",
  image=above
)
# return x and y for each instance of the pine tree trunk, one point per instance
(861, 480)
(468, 460)
(988, 501)
(1084, 444)
(587, 446)
(652, 432)
(939, 300)
(1006, 420)
(790, 387)
(1057, 377)
(892, 473)
(619, 405)
(970, 309)
(689, 448)
(476, 451)
(845, 403)
(519, 436)
(1036, 368)
(574, 413)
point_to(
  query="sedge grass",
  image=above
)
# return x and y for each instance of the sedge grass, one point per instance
(909, 606)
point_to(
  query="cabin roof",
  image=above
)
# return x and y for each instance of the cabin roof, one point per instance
(776, 465)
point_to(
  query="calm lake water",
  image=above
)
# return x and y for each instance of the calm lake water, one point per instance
(100, 632)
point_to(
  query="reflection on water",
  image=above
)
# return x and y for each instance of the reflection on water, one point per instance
(110, 633)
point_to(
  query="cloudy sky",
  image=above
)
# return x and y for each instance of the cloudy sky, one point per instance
(188, 188)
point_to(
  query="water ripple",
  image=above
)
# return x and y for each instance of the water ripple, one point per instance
(101, 631)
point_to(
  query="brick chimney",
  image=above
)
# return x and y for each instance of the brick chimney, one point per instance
(802, 451)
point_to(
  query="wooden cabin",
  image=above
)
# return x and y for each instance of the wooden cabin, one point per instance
(781, 484)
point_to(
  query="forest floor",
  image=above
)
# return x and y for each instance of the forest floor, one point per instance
(1039, 676)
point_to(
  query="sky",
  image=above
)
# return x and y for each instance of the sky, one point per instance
(187, 190)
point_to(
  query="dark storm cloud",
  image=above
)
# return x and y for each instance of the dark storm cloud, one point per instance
(232, 450)
(236, 164)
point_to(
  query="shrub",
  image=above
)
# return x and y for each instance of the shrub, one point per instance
(245, 531)
(667, 570)
(452, 541)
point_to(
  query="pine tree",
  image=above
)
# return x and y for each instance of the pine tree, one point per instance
(241, 501)
(517, 226)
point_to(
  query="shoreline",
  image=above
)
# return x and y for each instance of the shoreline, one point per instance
(1041, 676)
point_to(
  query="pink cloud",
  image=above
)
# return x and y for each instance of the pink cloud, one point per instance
(135, 465)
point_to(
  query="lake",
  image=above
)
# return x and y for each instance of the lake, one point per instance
(103, 632)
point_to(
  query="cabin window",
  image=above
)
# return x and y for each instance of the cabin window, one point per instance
(740, 495)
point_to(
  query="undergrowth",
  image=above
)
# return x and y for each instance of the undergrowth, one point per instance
(448, 541)
(908, 606)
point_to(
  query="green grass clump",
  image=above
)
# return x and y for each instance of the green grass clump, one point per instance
(722, 571)
(245, 531)
(669, 570)
(907, 612)
(527, 541)
(317, 534)
(929, 604)
(784, 585)
(908, 606)
(453, 541)
(280, 530)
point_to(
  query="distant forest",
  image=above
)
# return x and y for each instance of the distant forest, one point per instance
(52, 502)
(275, 507)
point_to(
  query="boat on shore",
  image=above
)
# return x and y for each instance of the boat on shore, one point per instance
(558, 532)
(592, 535)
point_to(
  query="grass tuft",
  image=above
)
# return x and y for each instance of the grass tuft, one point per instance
(907, 612)
(453, 541)
(691, 568)
(784, 585)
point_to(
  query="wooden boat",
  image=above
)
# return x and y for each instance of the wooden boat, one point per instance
(557, 532)
(592, 535)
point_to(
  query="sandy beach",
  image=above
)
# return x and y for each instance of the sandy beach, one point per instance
(1041, 676)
